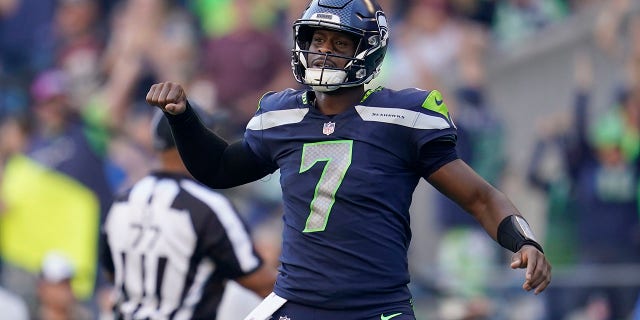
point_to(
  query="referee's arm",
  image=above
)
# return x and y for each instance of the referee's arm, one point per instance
(260, 281)
(106, 260)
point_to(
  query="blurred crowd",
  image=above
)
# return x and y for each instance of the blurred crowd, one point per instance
(75, 129)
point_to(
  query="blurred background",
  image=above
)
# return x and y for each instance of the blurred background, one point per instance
(545, 94)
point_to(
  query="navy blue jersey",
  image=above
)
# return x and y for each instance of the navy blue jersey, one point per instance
(347, 183)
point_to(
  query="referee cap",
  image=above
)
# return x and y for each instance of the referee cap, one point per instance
(56, 268)
(161, 129)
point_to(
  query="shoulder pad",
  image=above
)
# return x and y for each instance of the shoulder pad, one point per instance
(272, 100)
(418, 100)
(435, 102)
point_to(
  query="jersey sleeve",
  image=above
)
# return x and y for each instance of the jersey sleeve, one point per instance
(435, 154)
(434, 121)
(209, 158)
(106, 260)
(254, 136)
(433, 134)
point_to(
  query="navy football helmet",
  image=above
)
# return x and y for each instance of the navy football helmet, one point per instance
(364, 20)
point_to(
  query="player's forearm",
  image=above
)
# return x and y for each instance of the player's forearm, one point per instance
(209, 158)
(493, 206)
(502, 220)
(201, 150)
(472, 193)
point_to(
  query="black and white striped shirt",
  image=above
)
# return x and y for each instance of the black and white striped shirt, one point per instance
(171, 243)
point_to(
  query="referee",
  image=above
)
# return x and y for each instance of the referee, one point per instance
(171, 243)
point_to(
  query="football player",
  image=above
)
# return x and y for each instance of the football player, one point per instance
(349, 161)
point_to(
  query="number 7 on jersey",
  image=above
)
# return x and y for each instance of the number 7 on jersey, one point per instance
(337, 157)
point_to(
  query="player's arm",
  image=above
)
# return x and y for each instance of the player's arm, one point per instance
(209, 158)
(497, 215)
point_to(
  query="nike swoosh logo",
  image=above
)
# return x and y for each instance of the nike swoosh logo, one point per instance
(383, 317)
(438, 102)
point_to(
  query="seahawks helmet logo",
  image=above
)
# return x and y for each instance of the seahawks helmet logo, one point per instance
(383, 27)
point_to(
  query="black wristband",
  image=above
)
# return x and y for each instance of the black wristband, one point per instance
(514, 232)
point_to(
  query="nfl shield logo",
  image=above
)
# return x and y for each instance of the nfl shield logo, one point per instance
(328, 128)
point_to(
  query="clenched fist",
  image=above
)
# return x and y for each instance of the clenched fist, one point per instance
(168, 96)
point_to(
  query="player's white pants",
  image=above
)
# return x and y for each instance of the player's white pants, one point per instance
(266, 308)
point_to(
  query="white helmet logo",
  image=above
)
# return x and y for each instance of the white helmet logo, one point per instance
(383, 27)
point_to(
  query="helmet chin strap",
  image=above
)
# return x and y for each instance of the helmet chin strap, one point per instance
(324, 80)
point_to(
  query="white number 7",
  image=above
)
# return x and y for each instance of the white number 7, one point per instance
(337, 155)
